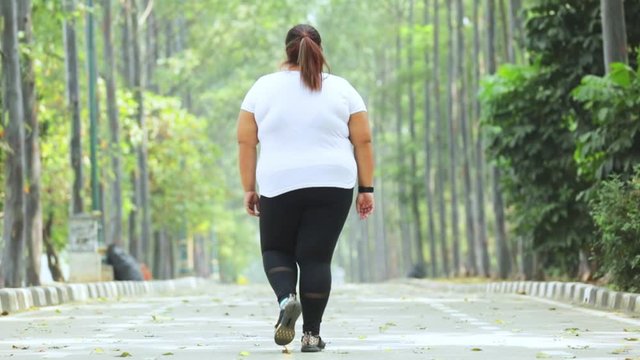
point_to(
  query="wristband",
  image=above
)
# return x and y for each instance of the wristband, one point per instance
(365, 189)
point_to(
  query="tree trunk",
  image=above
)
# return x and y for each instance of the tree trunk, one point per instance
(382, 250)
(439, 143)
(498, 206)
(135, 246)
(507, 38)
(71, 62)
(428, 161)
(515, 24)
(481, 226)
(15, 208)
(52, 256)
(453, 144)
(471, 267)
(614, 32)
(125, 46)
(114, 223)
(143, 179)
(415, 208)
(33, 220)
(151, 47)
(402, 191)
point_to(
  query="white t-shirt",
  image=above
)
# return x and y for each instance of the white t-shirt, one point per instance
(303, 134)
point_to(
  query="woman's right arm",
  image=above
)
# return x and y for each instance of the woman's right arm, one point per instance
(247, 159)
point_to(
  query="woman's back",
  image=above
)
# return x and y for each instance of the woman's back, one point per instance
(304, 134)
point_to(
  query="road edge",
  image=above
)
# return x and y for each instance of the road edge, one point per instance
(14, 300)
(570, 292)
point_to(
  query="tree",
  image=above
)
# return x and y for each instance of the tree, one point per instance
(466, 141)
(33, 220)
(614, 33)
(498, 207)
(114, 222)
(71, 61)
(415, 207)
(453, 143)
(15, 164)
(479, 158)
(442, 210)
(141, 148)
(401, 178)
(428, 159)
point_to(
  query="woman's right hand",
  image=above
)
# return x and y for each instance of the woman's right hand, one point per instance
(364, 205)
(252, 203)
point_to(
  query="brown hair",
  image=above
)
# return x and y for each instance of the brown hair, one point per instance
(303, 49)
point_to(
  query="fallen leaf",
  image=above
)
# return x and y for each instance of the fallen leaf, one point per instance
(125, 354)
(245, 353)
(98, 350)
(620, 351)
(476, 349)
(542, 355)
(631, 339)
(167, 354)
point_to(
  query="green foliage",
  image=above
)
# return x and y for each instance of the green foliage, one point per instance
(616, 212)
(523, 116)
(543, 138)
(613, 104)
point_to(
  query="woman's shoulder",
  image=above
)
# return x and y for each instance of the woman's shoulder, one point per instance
(337, 81)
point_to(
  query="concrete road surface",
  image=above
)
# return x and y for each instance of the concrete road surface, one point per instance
(389, 321)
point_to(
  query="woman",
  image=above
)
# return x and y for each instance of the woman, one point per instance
(309, 125)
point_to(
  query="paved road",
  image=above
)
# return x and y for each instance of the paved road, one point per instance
(388, 321)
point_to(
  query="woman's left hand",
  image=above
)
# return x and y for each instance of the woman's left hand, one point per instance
(252, 203)
(364, 205)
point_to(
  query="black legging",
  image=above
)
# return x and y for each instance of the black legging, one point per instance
(303, 226)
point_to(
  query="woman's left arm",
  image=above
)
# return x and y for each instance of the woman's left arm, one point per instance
(247, 159)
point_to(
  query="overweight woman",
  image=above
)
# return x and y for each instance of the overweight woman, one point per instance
(315, 148)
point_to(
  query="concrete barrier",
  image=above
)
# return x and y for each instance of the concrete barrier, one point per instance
(9, 300)
(39, 297)
(25, 299)
(615, 300)
(628, 302)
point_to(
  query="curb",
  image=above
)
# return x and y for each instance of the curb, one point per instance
(569, 292)
(19, 299)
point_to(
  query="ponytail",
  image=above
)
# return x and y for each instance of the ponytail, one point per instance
(311, 61)
(303, 47)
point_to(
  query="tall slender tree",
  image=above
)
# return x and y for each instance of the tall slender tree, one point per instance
(114, 222)
(466, 140)
(479, 158)
(71, 62)
(415, 207)
(15, 163)
(402, 189)
(453, 143)
(33, 220)
(614, 33)
(504, 261)
(141, 150)
(440, 151)
(428, 159)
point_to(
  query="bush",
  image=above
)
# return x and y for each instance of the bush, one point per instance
(616, 211)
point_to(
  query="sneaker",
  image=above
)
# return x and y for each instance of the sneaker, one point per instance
(286, 326)
(312, 343)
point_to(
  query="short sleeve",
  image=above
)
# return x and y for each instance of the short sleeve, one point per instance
(356, 104)
(249, 102)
